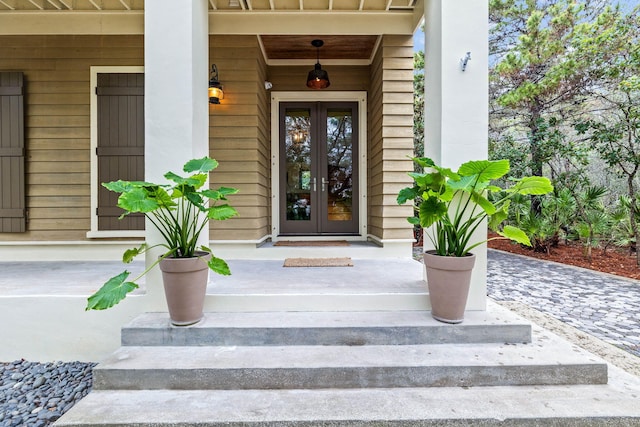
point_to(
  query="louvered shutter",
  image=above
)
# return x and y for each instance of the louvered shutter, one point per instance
(12, 173)
(120, 147)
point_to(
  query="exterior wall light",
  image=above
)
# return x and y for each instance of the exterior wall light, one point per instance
(318, 78)
(215, 88)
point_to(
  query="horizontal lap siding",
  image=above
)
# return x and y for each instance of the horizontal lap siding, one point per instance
(239, 136)
(57, 127)
(375, 175)
(391, 137)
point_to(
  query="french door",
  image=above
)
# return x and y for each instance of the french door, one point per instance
(318, 168)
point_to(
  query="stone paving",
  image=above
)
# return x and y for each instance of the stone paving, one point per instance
(602, 305)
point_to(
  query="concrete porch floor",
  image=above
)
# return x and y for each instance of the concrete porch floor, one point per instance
(81, 278)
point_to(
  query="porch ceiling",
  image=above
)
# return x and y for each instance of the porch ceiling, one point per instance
(217, 5)
(349, 28)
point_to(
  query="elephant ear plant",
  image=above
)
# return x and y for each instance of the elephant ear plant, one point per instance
(452, 205)
(179, 211)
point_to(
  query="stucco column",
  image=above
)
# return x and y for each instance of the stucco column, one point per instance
(176, 61)
(456, 101)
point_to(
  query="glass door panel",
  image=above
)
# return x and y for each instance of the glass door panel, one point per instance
(339, 165)
(298, 163)
(339, 168)
(318, 173)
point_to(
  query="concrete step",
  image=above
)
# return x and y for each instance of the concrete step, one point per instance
(327, 328)
(614, 404)
(547, 361)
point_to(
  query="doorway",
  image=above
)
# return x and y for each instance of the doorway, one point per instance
(319, 176)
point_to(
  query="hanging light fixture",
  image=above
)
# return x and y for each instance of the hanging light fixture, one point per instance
(215, 88)
(318, 78)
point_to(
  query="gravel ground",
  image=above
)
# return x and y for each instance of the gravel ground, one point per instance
(37, 394)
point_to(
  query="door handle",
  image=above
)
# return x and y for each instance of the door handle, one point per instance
(324, 182)
(315, 186)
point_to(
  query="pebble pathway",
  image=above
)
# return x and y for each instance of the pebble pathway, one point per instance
(37, 394)
(602, 305)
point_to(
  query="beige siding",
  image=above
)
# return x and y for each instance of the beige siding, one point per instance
(390, 137)
(239, 136)
(56, 70)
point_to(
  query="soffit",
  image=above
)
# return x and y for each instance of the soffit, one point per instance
(349, 28)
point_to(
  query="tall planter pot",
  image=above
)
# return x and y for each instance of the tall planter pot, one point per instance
(448, 279)
(185, 287)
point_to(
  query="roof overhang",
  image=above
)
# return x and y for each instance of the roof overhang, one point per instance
(355, 18)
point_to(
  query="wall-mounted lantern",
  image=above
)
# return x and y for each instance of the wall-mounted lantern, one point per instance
(215, 88)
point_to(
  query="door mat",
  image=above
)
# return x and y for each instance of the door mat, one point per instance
(312, 243)
(318, 262)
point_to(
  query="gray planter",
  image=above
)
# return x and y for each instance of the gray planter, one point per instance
(448, 279)
(185, 287)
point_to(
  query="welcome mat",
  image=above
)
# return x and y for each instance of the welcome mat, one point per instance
(318, 262)
(312, 243)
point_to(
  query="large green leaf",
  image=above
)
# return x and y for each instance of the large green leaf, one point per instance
(196, 199)
(219, 266)
(485, 169)
(409, 193)
(221, 212)
(163, 198)
(424, 162)
(485, 204)
(123, 186)
(465, 183)
(413, 220)
(194, 181)
(532, 185)
(431, 210)
(111, 293)
(219, 194)
(130, 254)
(515, 234)
(203, 165)
(499, 216)
(137, 200)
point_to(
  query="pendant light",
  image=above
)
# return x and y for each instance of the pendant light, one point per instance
(318, 78)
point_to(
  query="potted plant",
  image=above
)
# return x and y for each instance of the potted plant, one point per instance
(450, 207)
(179, 211)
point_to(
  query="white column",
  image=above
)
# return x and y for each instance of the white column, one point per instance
(176, 60)
(456, 101)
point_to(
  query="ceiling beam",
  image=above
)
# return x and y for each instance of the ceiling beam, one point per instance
(71, 22)
(237, 22)
(308, 22)
(67, 3)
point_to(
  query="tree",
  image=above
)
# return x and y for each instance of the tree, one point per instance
(612, 48)
(536, 85)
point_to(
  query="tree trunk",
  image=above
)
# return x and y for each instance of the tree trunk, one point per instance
(536, 155)
(633, 213)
